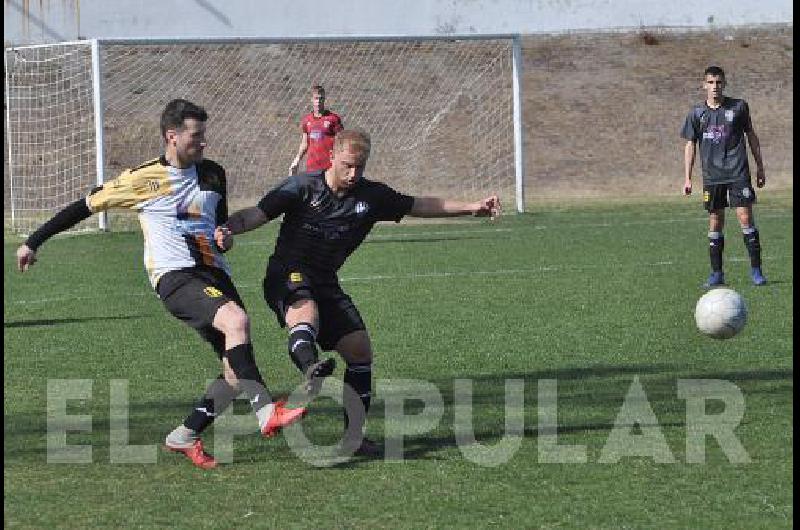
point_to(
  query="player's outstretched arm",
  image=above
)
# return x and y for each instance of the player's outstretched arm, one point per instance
(245, 220)
(63, 220)
(438, 207)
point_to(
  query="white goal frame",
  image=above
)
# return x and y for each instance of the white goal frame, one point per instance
(97, 96)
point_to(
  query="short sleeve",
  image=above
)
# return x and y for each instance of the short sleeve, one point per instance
(282, 198)
(391, 205)
(689, 130)
(746, 122)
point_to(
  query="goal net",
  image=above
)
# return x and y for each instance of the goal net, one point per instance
(441, 113)
(50, 135)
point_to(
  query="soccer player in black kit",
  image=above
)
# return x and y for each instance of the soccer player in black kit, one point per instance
(719, 126)
(327, 214)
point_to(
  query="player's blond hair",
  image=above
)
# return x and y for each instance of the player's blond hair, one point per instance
(355, 139)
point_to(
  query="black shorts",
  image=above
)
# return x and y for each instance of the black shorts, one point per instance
(287, 283)
(733, 194)
(194, 295)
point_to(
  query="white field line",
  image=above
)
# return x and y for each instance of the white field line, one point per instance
(385, 277)
(613, 224)
(401, 235)
(445, 274)
(608, 224)
(511, 272)
(74, 298)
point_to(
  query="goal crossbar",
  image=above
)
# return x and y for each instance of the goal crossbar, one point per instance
(444, 111)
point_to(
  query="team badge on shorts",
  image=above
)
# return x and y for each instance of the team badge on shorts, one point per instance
(212, 292)
(706, 196)
(295, 277)
(746, 193)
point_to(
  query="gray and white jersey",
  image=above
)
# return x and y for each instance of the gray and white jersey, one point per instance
(720, 136)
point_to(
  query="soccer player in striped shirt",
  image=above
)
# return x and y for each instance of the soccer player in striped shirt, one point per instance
(318, 129)
(181, 200)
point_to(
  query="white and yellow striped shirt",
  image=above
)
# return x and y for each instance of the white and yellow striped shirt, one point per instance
(178, 211)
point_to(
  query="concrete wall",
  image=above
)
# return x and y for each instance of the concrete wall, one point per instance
(36, 21)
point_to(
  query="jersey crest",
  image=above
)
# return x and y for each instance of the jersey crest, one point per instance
(361, 208)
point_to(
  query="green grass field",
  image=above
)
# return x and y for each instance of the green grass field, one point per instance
(590, 295)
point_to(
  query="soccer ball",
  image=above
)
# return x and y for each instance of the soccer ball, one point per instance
(720, 313)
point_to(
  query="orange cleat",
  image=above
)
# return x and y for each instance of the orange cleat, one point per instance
(281, 417)
(196, 454)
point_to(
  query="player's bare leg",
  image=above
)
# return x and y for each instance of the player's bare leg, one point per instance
(238, 359)
(716, 243)
(239, 373)
(302, 321)
(752, 242)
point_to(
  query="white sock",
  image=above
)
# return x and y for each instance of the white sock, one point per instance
(181, 436)
(263, 414)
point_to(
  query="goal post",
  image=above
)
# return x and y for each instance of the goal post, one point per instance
(50, 131)
(97, 106)
(444, 112)
(519, 160)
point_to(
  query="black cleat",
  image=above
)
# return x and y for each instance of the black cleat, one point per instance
(369, 448)
(361, 447)
(315, 375)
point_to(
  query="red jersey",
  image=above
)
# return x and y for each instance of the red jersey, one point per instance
(320, 131)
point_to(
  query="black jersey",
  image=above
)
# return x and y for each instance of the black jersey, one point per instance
(320, 230)
(720, 135)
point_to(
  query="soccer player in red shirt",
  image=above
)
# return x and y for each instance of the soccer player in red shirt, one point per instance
(318, 129)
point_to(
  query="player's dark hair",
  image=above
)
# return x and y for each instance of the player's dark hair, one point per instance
(318, 89)
(177, 111)
(714, 70)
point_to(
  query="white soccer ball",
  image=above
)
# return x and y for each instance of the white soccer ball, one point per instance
(720, 313)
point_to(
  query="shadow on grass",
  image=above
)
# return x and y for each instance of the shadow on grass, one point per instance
(596, 390)
(60, 321)
(601, 389)
(426, 447)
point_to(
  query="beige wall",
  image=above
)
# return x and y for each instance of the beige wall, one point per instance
(603, 111)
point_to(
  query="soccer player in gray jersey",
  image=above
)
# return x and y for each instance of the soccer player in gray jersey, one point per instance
(326, 216)
(719, 126)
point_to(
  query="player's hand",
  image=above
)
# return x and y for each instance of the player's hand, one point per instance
(488, 207)
(223, 237)
(25, 258)
(687, 187)
(761, 178)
